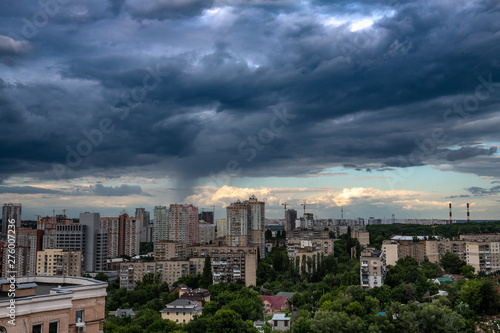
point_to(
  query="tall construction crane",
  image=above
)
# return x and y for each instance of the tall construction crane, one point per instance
(304, 204)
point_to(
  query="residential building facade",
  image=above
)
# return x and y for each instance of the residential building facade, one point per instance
(59, 262)
(373, 268)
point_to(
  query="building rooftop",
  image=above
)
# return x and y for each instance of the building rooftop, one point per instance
(182, 304)
(275, 301)
(285, 294)
(280, 316)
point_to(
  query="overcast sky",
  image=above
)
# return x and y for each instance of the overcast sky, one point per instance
(381, 107)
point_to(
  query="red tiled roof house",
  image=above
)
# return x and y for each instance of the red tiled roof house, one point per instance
(275, 304)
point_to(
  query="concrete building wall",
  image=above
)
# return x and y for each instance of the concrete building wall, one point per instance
(373, 268)
(60, 305)
(391, 252)
(91, 223)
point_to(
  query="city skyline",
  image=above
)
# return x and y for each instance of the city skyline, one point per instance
(378, 108)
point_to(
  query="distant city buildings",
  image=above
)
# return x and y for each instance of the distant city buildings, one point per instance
(123, 234)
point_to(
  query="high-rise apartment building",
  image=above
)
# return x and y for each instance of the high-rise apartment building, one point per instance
(95, 254)
(291, 217)
(49, 239)
(206, 233)
(31, 241)
(28, 242)
(123, 234)
(245, 224)
(143, 215)
(221, 228)
(69, 237)
(11, 211)
(239, 229)
(160, 227)
(183, 224)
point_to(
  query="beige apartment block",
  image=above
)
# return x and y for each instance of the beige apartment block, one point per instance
(373, 268)
(168, 250)
(296, 246)
(483, 256)
(480, 237)
(391, 251)
(61, 304)
(362, 235)
(436, 248)
(59, 262)
(230, 263)
(307, 234)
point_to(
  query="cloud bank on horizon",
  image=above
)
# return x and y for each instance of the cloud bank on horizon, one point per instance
(209, 100)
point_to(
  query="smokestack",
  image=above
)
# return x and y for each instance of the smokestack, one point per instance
(468, 214)
(450, 214)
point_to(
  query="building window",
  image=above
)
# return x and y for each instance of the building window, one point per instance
(37, 328)
(54, 327)
(79, 316)
(286, 323)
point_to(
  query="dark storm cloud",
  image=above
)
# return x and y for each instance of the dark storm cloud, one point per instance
(28, 190)
(479, 191)
(171, 9)
(458, 196)
(361, 99)
(468, 152)
(92, 190)
(115, 6)
(122, 190)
